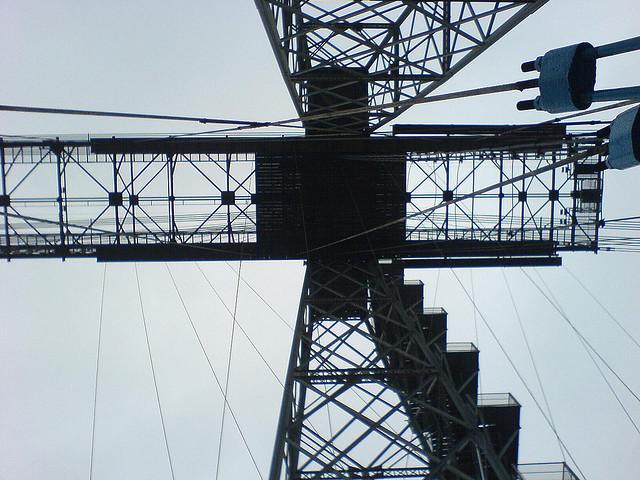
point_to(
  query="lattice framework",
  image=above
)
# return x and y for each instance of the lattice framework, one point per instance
(401, 50)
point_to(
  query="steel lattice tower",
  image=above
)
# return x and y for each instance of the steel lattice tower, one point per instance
(363, 338)
(403, 402)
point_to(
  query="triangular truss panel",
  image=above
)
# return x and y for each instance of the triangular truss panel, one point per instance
(374, 390)
(337, 55)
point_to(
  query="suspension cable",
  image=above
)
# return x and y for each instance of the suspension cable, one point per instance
(210, 363)
(505, 87)
(239, 325)
(243, 124)
(435, 291)
(261, 297)
(95, 390)
(145, 116)
(247, 125)
(606, 310)
(579, 334)
(611, 389)
(518, 374)
(606, 108)
(588, 348)
(422, 100)
(153, 372)
(531, 357)
(226, 382)
(287, 123)
(475, 325)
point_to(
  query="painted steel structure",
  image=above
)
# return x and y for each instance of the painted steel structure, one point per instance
(402, 403)
(379, 53)
(298, 198)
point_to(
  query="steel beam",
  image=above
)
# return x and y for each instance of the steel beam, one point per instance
(222, 199)
(364, 359)
(401, 50)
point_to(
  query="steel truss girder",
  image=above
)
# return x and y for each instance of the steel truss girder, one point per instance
(550, 206)
(63, 200)
(402, 50)
(144, 199)
(361, 394)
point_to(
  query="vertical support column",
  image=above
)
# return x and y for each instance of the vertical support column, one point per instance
(574, 206)
(600, 181)
(171, 165)
(133, 198)
(522, 198)
(116, 203)
(501, 197)
(553, 199)
(336, 372)
(58, 151)
(473, 199)
(5, 202)
(396, 64)
(447, 170)
(279, 457)
(228, 189)
(446, 37)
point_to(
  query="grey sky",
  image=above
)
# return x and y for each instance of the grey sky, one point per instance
(212, 58)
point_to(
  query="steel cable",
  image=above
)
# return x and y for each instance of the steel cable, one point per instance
(518, 374)
(153, 373)
(606, 310)
(144, 116)
(577, 332)
(239, 325)
(228, 374)
(589, 348)
(262, 299)
(532, 358)
(95, 390)
(210, 363)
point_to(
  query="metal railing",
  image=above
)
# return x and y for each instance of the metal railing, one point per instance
(497, 400)
(434, 311)
(461, 347)
(545, 471)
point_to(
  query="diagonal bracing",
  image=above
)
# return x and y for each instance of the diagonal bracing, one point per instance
(345, 54)
(373, 390)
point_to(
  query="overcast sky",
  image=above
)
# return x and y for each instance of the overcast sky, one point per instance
(212, 58)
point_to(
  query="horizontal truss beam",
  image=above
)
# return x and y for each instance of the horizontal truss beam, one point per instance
(222, 199)
(293, 145)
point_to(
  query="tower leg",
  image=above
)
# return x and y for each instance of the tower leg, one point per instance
(369, 391)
